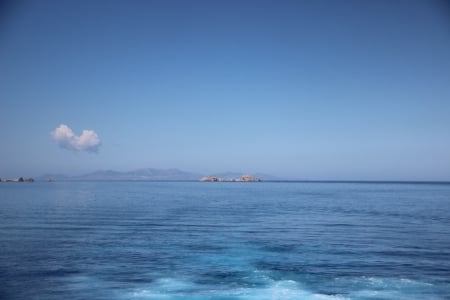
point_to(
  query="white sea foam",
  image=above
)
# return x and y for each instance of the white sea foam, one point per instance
(364, 288)
(392, 283)
(278, 290)
(385, 288)
(164, 288)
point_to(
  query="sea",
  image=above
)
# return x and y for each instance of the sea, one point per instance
(204, 240)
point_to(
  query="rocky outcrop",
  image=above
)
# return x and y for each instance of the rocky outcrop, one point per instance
(249, 178)
(210, 179)
(243, 178)
(20, 179)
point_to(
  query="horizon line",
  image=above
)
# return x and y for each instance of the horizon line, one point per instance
(262, 180)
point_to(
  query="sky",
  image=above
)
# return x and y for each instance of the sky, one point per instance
(326, 90)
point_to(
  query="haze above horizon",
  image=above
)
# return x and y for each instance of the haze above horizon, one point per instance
(320, 90)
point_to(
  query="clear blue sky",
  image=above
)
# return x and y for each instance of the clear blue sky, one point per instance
(296, 89)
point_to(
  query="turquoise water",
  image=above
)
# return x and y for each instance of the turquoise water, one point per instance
(192, 240)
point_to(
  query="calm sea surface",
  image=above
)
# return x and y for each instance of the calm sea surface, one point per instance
(192, 240)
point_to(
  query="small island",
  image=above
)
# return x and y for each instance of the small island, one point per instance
(20, 179)
(243, 178)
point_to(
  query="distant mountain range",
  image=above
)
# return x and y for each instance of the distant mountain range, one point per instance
(147, 174)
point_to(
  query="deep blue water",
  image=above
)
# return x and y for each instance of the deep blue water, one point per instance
(192, 240)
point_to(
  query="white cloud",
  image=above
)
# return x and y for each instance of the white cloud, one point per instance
(65, 138)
